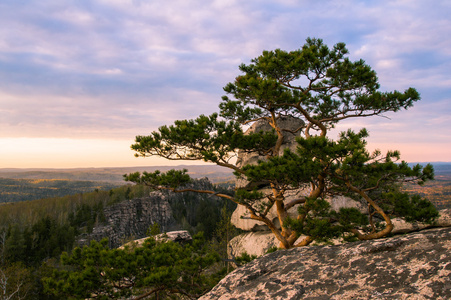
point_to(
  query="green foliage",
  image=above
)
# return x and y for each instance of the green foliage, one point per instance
(31, 245)
(244, 258)
(318, 86)
(79, 209)
(172, 178)
(325, 82)
(167, 268)
(316, 222)
(16, 190)
(154, 229)
(43, 229)
(16, 282)
(34, 231)
(350, 217)
(199, 212)
(224, 232)
(205, 138)
(412, 207)
(243, 195)
(272, 250)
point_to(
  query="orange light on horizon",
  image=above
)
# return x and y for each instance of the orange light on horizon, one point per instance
(92, 153)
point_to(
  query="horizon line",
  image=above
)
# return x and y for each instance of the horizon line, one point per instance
(174, 166)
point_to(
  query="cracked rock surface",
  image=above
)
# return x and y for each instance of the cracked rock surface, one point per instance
(412, 266)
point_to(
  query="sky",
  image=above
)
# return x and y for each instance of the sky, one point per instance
(80, 79)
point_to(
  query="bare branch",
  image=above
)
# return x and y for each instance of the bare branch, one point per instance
(295, 202)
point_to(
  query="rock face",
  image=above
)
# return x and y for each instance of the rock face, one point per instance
(179, 236)
(250, 242)
(401, 226)
(288, 124)
(258, 242)
(240, 216)
(253, 243)
(132, 218)
(413, 266)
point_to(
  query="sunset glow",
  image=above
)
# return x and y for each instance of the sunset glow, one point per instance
(79, 80)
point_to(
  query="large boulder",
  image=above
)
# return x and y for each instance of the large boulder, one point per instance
(241, 217)
(179, 236)
(258, 242)
(401, 226)
(412, 266)
(291, 129)
(253, 243)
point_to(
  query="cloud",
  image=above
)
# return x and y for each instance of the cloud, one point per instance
(115, 68)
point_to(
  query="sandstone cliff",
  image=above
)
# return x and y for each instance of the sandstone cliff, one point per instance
(130, 219)
(413, 266)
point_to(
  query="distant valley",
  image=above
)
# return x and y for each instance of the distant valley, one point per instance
(213, 172)
(31, 184)
(437, 191)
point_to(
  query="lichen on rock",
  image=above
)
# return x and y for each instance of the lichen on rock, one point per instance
(412, 266)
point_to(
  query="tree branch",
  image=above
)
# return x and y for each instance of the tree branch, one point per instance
(294, 202)
(149, 293)
(195, 191)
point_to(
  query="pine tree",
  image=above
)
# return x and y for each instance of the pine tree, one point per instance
(159, 269)
(318, 87)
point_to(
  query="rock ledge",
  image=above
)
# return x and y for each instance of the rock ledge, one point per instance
(413, 266)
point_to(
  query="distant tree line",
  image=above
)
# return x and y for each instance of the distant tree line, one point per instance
(15, 190)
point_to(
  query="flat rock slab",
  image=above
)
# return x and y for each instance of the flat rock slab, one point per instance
(412, 266)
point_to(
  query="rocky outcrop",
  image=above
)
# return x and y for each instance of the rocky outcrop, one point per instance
(241, 218)
(132, 218)
(401, 226)
(252, 243)
(259, 242)
(259, 239)
(290, 127)
(413, 266)
(179, 236)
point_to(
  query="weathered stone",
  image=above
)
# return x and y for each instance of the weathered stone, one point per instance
(413, 266)
(132, 218)
(401, 226)
(258, 242)
(241, 218)
(291, 129)
(338, 202)
(180, 236)
(444, 219)
(253, 243)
